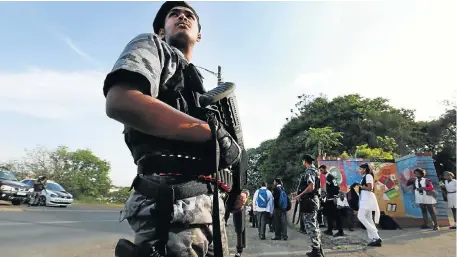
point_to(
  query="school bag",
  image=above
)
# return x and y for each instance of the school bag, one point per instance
(262, 198)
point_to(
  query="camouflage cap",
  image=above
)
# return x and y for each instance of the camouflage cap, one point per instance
(159, 20)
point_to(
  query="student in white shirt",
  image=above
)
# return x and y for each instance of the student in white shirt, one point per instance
(263, 208)
(367, 204)
(451, 186)
(344, 210)
(423, 188)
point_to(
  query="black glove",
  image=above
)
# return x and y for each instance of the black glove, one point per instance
(230, 151)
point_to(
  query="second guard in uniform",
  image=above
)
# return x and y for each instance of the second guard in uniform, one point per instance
(309, 197)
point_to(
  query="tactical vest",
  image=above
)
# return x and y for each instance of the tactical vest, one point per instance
(316, 187)
(181, 92)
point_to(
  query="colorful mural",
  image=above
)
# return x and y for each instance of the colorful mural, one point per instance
(388, 189)
(406, 166)
(387, 184)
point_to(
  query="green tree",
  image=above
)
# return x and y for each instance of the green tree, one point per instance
(119, 196)
(321, 140)
(365, 152)
(256, 158)
(80, 172)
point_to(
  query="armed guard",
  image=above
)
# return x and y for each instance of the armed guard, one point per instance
(154, 91)
(308, 187)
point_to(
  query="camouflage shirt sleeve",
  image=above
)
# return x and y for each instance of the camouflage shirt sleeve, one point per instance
(140, 65)
(310, 177)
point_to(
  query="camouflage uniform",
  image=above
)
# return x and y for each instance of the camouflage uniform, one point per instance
(191, 225)
(310, 207)
(190, 233)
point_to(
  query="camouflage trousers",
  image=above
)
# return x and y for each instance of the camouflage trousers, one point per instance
(190, 234)
(312, 228)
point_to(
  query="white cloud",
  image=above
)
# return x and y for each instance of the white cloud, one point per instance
(73, 47)
(51, 94)
(79, 51)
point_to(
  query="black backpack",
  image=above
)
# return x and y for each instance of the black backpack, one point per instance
(353, 199)
(388, 223)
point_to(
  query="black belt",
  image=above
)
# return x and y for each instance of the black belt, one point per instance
(166, 164)
(451, 192)
(179, 191)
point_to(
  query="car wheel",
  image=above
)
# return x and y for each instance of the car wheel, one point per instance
(42, 201)
(16, 202)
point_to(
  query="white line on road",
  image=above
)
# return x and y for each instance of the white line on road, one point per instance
(52, 222)
(69, 210)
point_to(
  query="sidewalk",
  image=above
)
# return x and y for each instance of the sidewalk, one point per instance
(411, 242)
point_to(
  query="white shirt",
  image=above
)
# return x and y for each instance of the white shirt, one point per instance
(368, 200)
(423, 198)
(269, 207)
(451, 197)
(342, 203)
(451, 186)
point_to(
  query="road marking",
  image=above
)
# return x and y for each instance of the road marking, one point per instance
(10, 209)
(70, 210)
(52, 222)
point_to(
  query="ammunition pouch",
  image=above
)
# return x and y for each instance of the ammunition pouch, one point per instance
(125, 248)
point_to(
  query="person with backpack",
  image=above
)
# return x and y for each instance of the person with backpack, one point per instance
(423, 194)
(368, 203)
(309, 196)
(282, 205)
(263, 208)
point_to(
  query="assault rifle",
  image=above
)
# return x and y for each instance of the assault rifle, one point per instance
(221, 108)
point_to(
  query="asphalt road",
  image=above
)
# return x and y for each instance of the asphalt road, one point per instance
(92, 231)
(54, 231)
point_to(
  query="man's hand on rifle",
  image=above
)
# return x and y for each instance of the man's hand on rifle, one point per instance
(230, 151)
(241, 202)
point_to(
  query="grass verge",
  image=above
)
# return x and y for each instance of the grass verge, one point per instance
(95, 202)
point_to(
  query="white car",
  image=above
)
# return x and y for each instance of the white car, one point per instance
(53, 195)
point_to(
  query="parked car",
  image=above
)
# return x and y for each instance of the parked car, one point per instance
(53, 195)
(11, 189)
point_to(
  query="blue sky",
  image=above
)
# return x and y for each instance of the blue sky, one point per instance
(56, 54)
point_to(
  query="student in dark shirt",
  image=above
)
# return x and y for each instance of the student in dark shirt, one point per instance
(279, 214)
(332, 190)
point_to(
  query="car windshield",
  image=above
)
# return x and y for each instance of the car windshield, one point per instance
(54, 187)
(8, 175)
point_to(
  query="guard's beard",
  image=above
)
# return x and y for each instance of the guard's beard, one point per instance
(181, 41)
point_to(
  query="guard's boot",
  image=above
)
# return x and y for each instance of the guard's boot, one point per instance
(314, 253)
